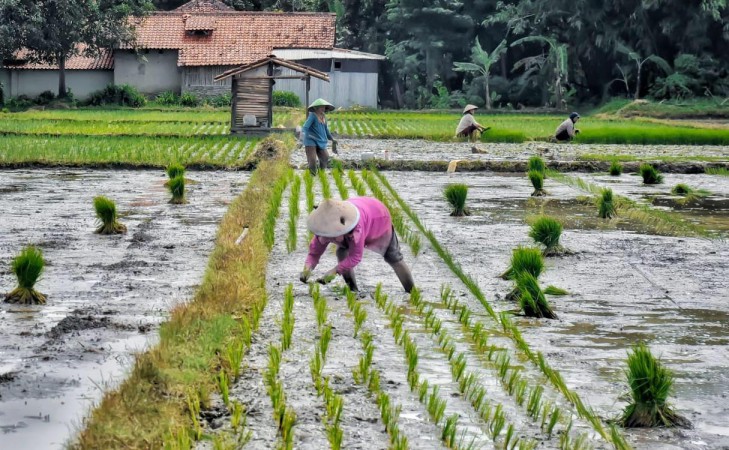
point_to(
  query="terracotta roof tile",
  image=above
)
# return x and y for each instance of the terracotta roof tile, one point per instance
(103, 61)
(238, 38)
(204, 6)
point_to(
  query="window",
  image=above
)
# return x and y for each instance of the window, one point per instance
(337, 65)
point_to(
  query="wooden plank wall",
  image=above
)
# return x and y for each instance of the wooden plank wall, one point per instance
(251, 97)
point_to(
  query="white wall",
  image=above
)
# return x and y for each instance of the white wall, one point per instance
(343, 90)
(151, 72)
(33, 82)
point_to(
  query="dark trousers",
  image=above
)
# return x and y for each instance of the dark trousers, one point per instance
(316, 153)
(469, 131)
(563, 136)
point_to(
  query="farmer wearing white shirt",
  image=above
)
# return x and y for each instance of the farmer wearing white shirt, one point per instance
(566, 130)
(468, 126)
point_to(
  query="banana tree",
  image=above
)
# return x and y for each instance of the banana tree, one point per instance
(639, 61)
(556, 58)
(481, 63)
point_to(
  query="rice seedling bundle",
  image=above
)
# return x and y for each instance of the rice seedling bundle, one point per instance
(532, 299)
(524, 260)
(650, 174)
(537, 179)
(177, 189)
(456, 195)
(650, 385)
(547, 231)
(537, 163)
(106, 213)
(606, 205)
(27, 266)
(175, 170)
(616, 169)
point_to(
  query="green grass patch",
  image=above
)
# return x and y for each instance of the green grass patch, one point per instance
(667, 109)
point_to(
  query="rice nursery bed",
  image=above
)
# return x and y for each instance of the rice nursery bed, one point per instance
(384, 369)
(106, 295)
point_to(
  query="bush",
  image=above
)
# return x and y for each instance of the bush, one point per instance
(45, 98)
(189, 99)
(286, 98)
(118, 94)
(168, 98)
(221, 100)
(650, 174)
(20, 102)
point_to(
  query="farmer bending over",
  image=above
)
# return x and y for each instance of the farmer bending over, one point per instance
(468, 126)
(353, 225)
(566, 130)
(316, 134)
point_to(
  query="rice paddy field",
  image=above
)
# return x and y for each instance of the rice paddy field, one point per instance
(141, 344)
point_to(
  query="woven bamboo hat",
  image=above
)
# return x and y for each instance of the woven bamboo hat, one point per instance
(321, 102)
(333, 218)
(469, 108)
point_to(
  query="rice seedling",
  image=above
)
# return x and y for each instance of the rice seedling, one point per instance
(436, 406)
(537, 163)
(293, 213)
(534, 405)
(224, 386)
(269, 221)
(320, 307)
(553, 419)
(722, 171)
(650, 175)
(688, 192)
(650, 385)
(606, 205)
(456, 194)
(287, 326)
(357, 184)
(237, 415)
(309, 188)
(509, 435)
(616, 169)
(177, 189)
(360, 315)
(175, 170)
(537, 179)
(326, 189)
(524, 260)
(547, 231)
(326, 337)
(193, 408)
(287, 426)
(448, 433)
(106, 213)
(339, 182)
(554, 290)
(497, 422)
(177, 440)
(27, 266)
(234, 353)
(531, 298)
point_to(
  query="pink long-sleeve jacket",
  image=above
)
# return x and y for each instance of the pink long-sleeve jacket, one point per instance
(373, 232)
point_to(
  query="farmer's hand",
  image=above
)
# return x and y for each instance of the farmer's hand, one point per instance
(577, 131)
(305, 274)
(334, 146)
(328, 277)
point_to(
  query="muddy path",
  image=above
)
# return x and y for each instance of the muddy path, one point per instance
(106, 294)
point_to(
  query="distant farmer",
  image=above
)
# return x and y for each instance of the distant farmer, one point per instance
(468, 126)
(316, 134)
(566, 130)
(353, 225)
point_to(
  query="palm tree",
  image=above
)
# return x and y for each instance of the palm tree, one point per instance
(481, 63)
(556, 59)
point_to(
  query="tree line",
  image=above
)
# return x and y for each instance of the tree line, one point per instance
(445, 53)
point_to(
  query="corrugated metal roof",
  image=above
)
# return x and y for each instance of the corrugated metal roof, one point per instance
(335, 53)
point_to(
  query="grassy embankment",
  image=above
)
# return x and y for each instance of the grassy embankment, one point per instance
(671, 109)
(178, 374)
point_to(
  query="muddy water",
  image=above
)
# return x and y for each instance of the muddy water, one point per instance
(106, 294)
(626, 286)
(413, 149)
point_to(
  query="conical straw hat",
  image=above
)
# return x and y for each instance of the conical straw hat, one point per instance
(333, 218)
(469, 108)
(321, 102)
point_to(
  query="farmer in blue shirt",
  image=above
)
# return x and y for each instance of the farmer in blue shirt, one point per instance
(316, 134)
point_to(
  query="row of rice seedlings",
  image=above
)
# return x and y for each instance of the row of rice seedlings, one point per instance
(429, 397)
(538, 359)
(287, 324)
(333, 402)
(663, 222)
(293, 213)
(272, 213)
(398, 221)
(366, 375)
(284, 416)
(468, 382)
(722, 171)
(339, 181)
(326, 189)
(357, 183)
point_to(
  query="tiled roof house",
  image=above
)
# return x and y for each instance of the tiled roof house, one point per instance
(182, 50)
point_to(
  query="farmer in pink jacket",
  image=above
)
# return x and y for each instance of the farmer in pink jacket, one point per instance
(353, 225)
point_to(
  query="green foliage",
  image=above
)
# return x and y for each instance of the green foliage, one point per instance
(616, 169)
(27, 266)
(167, 98)
(106, 213)
(177, 189)
(286, 98)
(547, 231)
(650, 174)
(536, 163)
(650, 385)
(456, 196)
(605, 204)
(117, 94)
(537, 179)
(219, 101)
(525, 260)
(175, 170)
(554, 290)
(531, 299)
(189, 99)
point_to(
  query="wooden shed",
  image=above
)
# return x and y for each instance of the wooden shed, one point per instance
(252, 90)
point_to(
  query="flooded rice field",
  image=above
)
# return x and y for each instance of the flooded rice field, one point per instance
(105, 294)
(626, 285)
